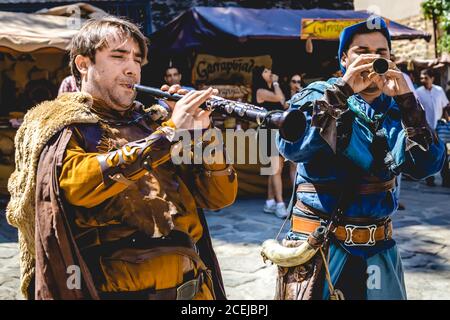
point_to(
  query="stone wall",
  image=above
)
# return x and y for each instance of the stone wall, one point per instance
(419, 48)
(164, 11)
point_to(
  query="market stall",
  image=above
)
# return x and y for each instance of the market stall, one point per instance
(300, 40)
(221, 46)
(33, 61)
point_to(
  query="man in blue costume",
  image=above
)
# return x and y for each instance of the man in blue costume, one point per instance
(362, 131)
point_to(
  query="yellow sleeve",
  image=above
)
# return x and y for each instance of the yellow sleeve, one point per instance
(81, 177)
(216, 185)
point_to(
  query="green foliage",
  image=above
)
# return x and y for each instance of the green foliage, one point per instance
(440, 10)
(444, 43)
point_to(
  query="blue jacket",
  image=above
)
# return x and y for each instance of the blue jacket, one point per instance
(318, 163)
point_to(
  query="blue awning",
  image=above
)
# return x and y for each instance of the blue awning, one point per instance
(200, 25)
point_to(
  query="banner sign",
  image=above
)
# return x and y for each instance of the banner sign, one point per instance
(209, 69)
(324, 29)
(230, 92)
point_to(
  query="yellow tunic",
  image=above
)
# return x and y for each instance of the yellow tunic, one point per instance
(82, 182)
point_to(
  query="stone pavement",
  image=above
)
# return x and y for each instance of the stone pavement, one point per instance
(9, 260)
(422, 232)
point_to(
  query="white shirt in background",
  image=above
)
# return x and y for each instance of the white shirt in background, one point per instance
(433, 101)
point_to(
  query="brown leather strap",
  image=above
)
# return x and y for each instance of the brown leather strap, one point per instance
(350, 234)
(364, 234)
(218, 173)
(344, 220)
(304, 224)
(186, 291)
(364, 189)
(132, 256)
(372, 188)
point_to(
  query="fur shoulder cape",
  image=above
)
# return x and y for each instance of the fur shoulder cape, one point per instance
(40, 124)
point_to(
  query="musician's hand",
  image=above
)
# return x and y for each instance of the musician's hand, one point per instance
(187, 113)
(357, 73)
(392, 83)
(173, 89)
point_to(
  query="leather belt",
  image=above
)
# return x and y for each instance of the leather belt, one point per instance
(186, 291)
(91, 242)
(351, 235)
(364, 189)
(344, 220)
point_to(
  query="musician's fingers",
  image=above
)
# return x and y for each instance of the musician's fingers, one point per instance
(165, 87)
(215, 92)
(362, 68)
(392, 65)
(174, 89)
(191, 95)
(372, 75)
(198, 100)
(394, 74)
(182, 91)
(203, 113)
(188, 96)
(192, 99)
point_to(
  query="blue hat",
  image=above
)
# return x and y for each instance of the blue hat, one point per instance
(372, 24)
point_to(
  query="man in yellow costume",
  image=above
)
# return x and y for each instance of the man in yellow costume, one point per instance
(102, 211)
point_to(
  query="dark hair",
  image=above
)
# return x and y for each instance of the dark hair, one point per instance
(93, 36)
(172, 67)
(258, 81)
(286, 87)
(302, 82)
(428, 72)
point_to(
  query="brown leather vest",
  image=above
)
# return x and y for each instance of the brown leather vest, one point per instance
(148, 206)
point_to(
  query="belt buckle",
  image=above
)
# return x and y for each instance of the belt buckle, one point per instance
(349, 228)
(189, 289)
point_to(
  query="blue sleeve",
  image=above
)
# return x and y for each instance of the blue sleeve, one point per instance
(426, 154)
(420, 164)
(311, 142)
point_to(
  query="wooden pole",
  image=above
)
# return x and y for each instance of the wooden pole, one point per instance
(435, 35)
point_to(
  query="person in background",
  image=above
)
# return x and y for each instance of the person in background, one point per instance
(68, 84)
(266, 92)
(447, 93)
(434, 101)
(172, 76)
(413, 79)
(443, 131)
(294, 86)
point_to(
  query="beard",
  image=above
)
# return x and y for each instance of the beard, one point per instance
(122, 101)
(116, 96)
